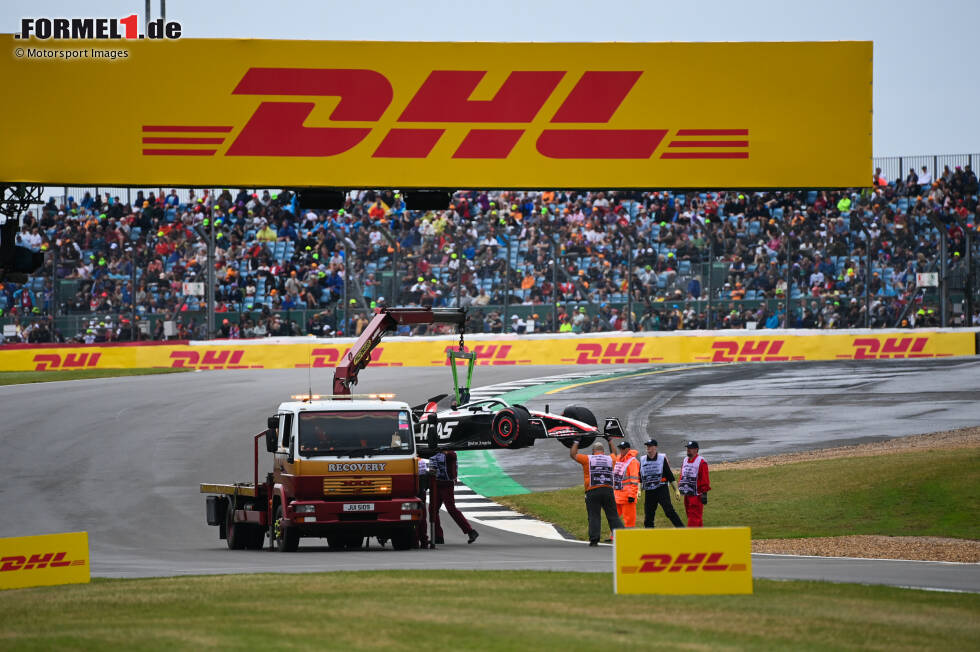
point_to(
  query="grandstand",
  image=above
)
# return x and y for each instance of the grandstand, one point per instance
(522, 261)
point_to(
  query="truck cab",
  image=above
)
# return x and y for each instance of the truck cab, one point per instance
(344, 470)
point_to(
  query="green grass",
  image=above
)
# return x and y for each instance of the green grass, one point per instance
(474, 610)
(22, 377)
(929, 493)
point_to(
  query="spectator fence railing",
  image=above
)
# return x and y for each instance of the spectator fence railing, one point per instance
(897, 167)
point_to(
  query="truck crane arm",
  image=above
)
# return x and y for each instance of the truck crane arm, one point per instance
(385, 320)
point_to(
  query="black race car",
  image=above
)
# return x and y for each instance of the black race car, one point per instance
(493, 423)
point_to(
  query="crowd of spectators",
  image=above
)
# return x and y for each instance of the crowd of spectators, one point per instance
(509, 256)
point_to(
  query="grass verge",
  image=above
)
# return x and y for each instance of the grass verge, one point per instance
(924, 493)
(23, 377)
(474, 610)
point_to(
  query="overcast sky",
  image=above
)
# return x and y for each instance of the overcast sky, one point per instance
(926, 58)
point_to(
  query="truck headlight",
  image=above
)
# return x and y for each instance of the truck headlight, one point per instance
(304, 509)
(408, 507)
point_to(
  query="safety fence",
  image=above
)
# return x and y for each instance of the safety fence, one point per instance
(641, 348)
(897, 167)
(672, 315)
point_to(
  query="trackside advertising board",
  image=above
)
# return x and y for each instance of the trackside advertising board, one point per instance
(44, 560)
(614, 349)
(247, 113)
(688, 561)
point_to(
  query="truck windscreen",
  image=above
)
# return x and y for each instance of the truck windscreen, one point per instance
(355, 433)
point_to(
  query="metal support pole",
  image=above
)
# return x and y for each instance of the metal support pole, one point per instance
(147, 23)
(210, 279)
(163, 10)
(394, 277)
(629, 277)
(54, 288)
(867, 276)
(629, 287)
(346, 283)
(711, 264)
(789, 272)
(506, 284)
(393, 243)
(554, 286)
(968, 314)
(969, 289)
(943, 269)
(459, 280)
(134, 331)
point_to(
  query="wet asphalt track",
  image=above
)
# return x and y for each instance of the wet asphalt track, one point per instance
(121, 458)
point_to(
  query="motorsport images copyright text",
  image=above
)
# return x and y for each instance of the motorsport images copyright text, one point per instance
(69, 54)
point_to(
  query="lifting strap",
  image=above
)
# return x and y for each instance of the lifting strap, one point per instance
(462, 393)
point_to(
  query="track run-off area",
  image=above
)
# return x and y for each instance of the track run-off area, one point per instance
(121, 458)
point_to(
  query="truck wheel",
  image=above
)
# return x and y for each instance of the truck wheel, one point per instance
(287, 538)
(256, 538)
(403, 539)
(508, 427)
(354, 541)
(584, 415)
(236, 534)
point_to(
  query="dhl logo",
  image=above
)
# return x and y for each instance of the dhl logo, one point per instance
(210, 359)
(687, 562)
(52, 361)
(38, 561)
(612, 353)
(276, 127)
(749, 351)
(868, 348)
(487, 355)
(328, 357)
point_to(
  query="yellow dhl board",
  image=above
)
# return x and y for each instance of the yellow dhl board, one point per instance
(44, 560)
(502, 351)
(441, 115)
(688, 561)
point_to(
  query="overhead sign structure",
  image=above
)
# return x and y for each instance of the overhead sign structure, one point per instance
(249, 113)
(685, 561)
(44, 560)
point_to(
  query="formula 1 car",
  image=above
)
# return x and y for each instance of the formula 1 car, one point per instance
(493, 423)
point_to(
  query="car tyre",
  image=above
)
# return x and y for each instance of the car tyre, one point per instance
(584, 415)
(508, 427)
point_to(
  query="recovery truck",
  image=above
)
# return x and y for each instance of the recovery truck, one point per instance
(344, 466)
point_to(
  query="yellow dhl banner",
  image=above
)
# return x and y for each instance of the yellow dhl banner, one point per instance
(688, 561)
(441, 115)
(44, 560)
(558, 350)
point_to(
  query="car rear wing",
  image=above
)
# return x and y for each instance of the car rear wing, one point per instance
(612, 428)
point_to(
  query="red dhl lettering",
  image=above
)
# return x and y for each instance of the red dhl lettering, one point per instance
(276, 128)
(328, 357)
(210, 359)
(488, 355)
(37, 562)
(51, 361)
(686, 562)
(749, 351)
(870, 348)
(612, 353)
